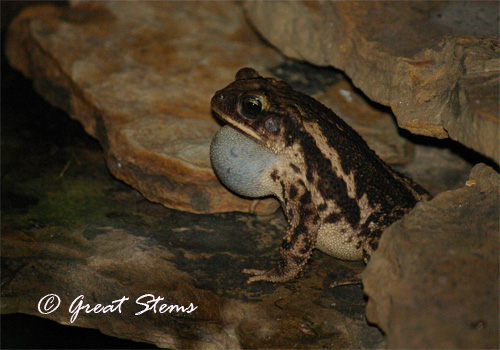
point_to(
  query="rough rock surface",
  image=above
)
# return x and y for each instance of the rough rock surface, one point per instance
(433, 282)
(436, 64)
(139, 76)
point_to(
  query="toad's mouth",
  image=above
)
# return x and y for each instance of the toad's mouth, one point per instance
(239, 127)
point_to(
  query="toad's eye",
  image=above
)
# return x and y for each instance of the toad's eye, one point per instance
(251, 107)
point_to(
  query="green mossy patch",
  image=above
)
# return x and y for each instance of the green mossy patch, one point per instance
(67, 201)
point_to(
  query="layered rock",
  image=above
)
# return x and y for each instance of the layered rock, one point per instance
(435, 64)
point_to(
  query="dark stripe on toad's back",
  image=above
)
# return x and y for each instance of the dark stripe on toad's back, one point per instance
(329, 184)
(371, 175)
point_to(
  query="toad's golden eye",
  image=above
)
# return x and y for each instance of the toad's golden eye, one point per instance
(250, 107)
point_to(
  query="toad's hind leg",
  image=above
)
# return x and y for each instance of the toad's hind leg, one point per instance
(296, 248)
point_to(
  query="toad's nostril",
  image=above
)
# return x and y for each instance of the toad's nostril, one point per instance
(217, 98)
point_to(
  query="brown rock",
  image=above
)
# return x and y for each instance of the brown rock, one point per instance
(433, 282)
(139, 77)
(435, 64)
(105, 264)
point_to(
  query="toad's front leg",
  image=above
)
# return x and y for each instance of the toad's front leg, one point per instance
(296, 248)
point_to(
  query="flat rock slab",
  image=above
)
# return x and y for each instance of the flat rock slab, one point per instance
(436, 64)
(433, 282)
(139, 77)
